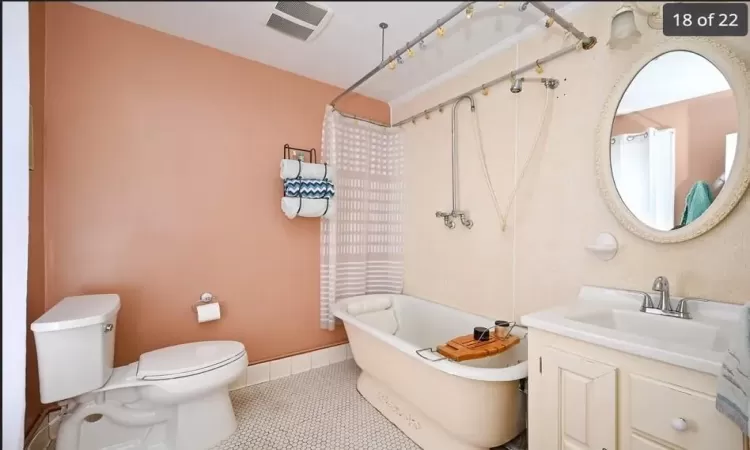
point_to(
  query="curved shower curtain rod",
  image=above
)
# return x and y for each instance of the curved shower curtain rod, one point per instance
(586, 42)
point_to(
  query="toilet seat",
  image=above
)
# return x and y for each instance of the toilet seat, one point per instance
(186, 360)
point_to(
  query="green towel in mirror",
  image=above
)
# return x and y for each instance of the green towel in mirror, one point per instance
(697, 202)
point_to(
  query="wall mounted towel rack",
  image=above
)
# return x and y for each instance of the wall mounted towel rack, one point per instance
(291, 153)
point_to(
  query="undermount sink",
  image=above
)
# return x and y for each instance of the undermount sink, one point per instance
(612, 318)
(687, 332)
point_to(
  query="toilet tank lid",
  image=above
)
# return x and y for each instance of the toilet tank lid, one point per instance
(78, 311)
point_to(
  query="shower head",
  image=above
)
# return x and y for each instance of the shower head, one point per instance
(516, 86)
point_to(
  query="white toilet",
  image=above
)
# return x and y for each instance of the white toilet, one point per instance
(175, 398)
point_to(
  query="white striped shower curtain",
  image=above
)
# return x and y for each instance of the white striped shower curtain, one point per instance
(362, 244)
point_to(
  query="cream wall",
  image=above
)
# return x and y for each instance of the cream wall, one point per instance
(539, 261)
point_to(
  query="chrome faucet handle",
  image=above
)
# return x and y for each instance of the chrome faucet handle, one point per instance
(648, 302)
(682, 305)
(682, 308)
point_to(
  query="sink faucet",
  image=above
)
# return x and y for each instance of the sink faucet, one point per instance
(661, 285)
(664, 307)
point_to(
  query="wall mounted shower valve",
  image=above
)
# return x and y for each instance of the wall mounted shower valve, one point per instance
(449, 219)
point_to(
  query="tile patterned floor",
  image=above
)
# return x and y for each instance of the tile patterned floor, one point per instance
(316, 410)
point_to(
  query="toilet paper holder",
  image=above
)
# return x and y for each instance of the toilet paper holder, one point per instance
(205, 299)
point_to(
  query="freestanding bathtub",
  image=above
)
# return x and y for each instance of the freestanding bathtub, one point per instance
(440, 405)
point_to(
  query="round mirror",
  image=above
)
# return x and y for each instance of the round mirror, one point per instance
(675, 165)
(673, 140)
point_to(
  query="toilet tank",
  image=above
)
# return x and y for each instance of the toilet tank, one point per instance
(75, 345)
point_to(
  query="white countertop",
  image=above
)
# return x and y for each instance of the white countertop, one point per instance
(612, 318)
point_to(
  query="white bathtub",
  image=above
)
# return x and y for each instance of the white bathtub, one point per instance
(440, 405)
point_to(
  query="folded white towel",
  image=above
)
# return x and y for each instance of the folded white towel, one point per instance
(290, 168)
(369, 304)
(733, 387)
(311, 207)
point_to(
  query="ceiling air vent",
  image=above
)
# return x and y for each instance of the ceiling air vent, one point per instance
(301, 20)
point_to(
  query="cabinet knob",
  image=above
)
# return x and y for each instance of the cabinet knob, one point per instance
(679, 424)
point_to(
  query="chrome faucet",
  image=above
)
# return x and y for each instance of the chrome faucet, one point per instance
(664, 307)
(661, 285)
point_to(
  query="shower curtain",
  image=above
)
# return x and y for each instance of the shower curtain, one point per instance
(362, 244)
(643, 167)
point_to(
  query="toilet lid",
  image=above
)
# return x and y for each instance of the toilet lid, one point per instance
(187, 359)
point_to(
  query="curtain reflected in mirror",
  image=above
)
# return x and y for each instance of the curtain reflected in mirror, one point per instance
(673, 140)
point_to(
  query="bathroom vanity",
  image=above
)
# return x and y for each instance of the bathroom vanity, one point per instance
(603, 375)
(630, 370)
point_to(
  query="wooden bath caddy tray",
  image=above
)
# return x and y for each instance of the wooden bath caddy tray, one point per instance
(465, 348)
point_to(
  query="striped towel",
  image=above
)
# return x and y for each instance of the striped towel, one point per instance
(308, 188)
(733, 387)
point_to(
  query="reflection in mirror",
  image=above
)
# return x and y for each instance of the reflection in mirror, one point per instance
(673, 140)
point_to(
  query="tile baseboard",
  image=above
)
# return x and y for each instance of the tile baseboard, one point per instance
(292, 365)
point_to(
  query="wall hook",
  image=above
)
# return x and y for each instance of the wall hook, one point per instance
(485, 91)
(539, 68)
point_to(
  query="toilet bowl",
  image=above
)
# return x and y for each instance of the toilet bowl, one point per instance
(174, 398)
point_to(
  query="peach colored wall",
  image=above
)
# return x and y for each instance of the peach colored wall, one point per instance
(701, 125)
(540, 261)
(712, 117)
(162, 182)
(36, 286)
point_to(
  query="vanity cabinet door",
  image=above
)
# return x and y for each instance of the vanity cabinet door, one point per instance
(582, 402)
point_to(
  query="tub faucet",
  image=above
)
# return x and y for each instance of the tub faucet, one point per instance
(449, 218)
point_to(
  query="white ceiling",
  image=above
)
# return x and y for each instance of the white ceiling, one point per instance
(670, 78)
(349, 46)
